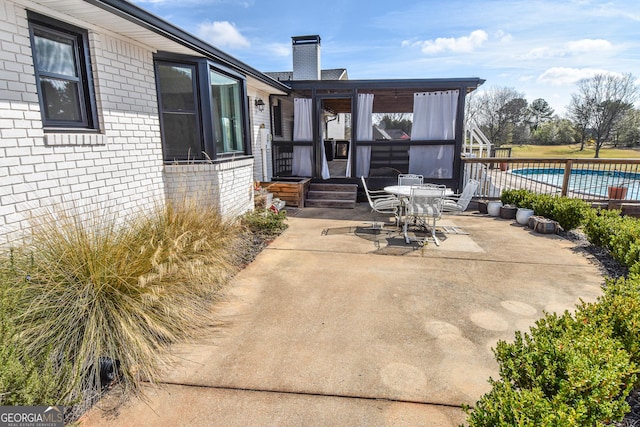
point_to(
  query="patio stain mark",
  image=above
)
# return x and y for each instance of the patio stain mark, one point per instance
(489, 320)
(519, 307)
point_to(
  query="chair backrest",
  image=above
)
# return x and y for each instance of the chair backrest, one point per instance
(426, 200)
(410, 179)
(467, 193)
(366, 191)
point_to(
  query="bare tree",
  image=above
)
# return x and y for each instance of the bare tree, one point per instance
(580, 112)
(605, 98)
(498, 112)
(627, 130)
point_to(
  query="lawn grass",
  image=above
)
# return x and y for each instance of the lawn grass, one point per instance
(572, 151)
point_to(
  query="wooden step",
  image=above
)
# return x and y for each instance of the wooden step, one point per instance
(335, 204)
(336, 195)
(319, 186)
(328, 195)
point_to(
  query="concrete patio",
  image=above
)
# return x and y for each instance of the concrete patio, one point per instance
(335, 325)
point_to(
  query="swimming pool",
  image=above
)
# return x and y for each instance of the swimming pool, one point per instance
(586, 181)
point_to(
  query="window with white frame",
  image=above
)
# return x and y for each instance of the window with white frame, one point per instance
(63, 74)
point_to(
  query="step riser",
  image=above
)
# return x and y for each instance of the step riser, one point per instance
(333, 187)
(334, 195)
(334, 204)
(340, 196)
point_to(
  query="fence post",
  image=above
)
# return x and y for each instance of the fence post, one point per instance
(567, 174)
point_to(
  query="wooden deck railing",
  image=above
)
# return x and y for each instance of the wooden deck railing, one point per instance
(587, 179)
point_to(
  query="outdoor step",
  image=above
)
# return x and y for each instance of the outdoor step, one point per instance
(336, 195)
(328, 195)
(327, 203)
(316, 186)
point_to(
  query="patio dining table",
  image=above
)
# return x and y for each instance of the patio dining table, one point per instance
(405, 190)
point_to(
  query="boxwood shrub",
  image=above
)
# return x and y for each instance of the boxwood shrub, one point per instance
(570, 213)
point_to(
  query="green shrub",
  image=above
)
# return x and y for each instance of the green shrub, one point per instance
(564, 373)
(570, 213)
(265, 223)
(618, 309)
(520, 198)
(620, 235)
(543, 205)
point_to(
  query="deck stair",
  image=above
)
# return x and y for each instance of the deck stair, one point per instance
(341, 196)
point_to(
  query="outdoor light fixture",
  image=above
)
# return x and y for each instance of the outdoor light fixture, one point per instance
(259, 104)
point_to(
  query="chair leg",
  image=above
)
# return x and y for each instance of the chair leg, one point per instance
(406, 231)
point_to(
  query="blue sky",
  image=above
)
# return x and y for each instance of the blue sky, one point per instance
(538, 47)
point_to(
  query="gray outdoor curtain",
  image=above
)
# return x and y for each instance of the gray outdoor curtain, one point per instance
(302, 162)
(365, 133)
(434, 118)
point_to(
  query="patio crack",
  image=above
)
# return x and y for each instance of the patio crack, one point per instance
(316, 394)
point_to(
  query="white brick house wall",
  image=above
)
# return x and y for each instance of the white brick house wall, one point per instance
(121, 167)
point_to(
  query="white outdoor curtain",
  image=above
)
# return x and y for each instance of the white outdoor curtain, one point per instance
(302, 163)
(365, 133)
(434, 118)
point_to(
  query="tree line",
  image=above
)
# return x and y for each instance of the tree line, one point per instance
(601, 112)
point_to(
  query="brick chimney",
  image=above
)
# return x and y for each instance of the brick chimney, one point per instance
(306, 57)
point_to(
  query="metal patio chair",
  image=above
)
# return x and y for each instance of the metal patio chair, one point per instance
(458, 203)
(382, 202)
(424, 207)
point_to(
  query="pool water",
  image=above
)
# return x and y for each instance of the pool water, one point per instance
(586, 181)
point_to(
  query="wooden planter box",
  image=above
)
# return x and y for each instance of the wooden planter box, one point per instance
(292, 191)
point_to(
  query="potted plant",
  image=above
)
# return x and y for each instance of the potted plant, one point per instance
(482, 206)
(508, 211)
(493, 208)
(617, 192)
(523, 215)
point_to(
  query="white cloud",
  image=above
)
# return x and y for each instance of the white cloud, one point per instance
(460, 44)
(502, 36)
(558, 76)
(222, 34)
(588, 45)
(571, 48)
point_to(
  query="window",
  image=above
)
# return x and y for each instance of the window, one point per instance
(226, 113)
(179, 112)
(63, 74)
(202, 110)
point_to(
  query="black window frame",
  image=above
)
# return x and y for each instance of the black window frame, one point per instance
(203, 66)
(86, 102)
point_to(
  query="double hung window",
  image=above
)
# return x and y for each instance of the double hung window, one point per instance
(63, 74)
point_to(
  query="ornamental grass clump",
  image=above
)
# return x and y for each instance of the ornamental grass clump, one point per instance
(25, 380)
(102, 289)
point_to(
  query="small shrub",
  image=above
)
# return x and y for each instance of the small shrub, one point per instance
(543, 205)
(570, 213)
(520, 198)
(564, 373)
(265, 223)
(600, 225)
